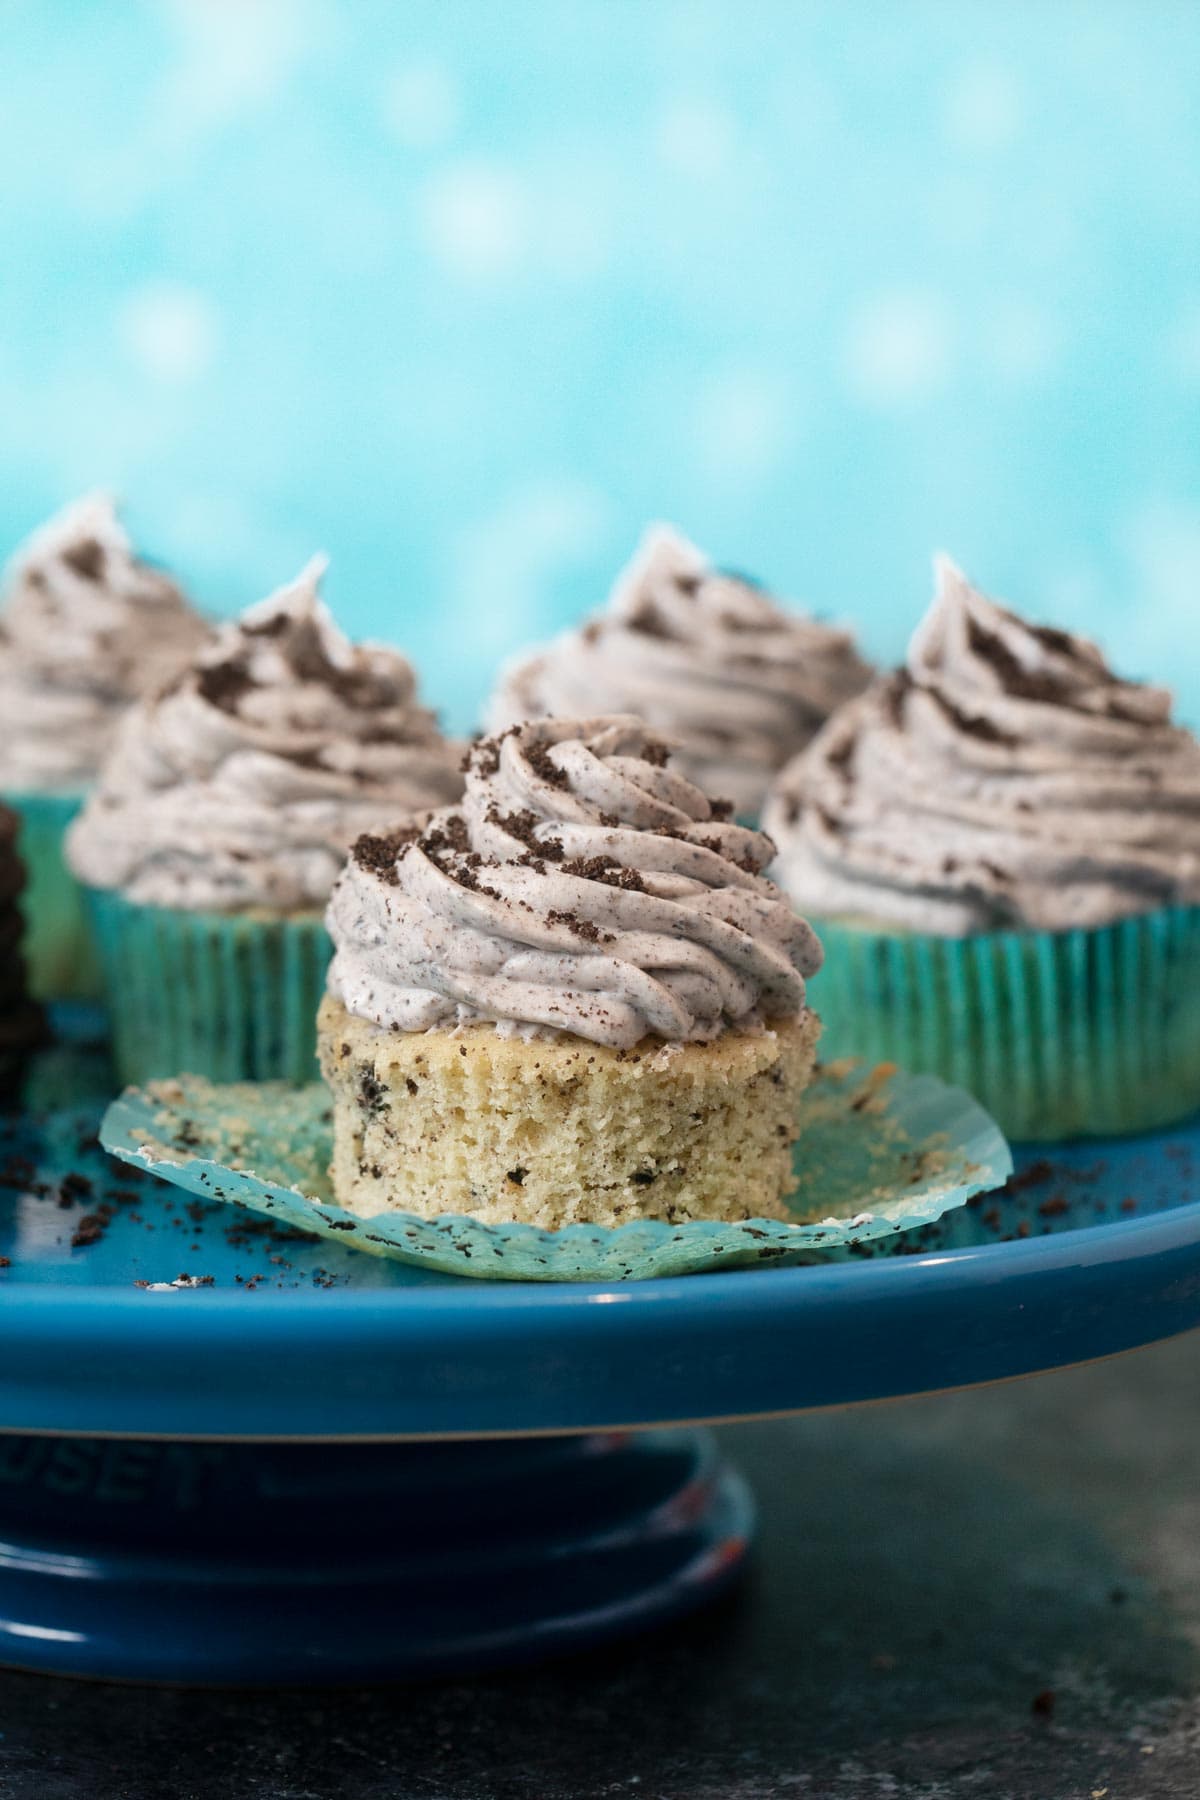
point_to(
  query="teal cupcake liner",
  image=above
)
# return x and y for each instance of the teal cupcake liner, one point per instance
(230, 996)
(59, 953)
(1057, 1034)
(879, 1153)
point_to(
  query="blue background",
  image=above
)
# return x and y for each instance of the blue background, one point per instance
(464, 293)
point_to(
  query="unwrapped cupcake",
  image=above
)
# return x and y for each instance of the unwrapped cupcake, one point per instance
(739, 683)
(221, 819)
(572, 998)
(86, 629)
(1000, 844)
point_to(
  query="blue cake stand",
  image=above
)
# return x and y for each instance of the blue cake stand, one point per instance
(301, 1464)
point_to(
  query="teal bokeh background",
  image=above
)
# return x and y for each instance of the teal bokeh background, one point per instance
(466, 293)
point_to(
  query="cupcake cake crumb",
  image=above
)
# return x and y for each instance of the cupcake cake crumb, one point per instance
(565, 1133)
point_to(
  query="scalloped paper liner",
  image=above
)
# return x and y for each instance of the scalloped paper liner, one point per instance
(880, 1152)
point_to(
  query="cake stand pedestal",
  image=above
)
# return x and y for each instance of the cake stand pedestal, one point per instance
(251, 1563)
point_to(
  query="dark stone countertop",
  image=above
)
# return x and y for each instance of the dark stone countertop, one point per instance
(992, 1595)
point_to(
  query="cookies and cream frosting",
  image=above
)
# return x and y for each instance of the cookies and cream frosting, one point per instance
(245, 782)
(86, 628)
(1005, 778)
(582, 885)
(709, 657)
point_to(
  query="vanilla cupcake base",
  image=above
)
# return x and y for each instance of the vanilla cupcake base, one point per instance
(564, 1132)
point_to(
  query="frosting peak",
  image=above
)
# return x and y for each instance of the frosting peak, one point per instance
(245, 781)
(1004, 778)
(704, 654)
(582, 885)
(284, 664)
(86, 629)
(976, 645)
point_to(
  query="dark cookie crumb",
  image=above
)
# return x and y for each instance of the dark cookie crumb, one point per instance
(649, 623)
(90, 1230)
(523, 827)
(86, 558)
(583, 928)
(372, 1094)
(446, 836)
(224, 684)
(483, 756)
(605, 869)
(378, 855)
(1034, 1176)
(538, 758)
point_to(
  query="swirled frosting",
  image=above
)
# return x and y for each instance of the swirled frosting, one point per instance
(245, 782)
(582, 885)
(86, 629)
(1006, 778)
(706, 656)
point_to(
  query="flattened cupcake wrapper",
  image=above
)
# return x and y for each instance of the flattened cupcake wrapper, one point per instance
(1058, 1034)
(231, 996)
(879, 1152)
(59, 954)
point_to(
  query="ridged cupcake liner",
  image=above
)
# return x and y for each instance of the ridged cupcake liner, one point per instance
(1058, 1034)
(879, 1152)
(230, 996)
(59, 953)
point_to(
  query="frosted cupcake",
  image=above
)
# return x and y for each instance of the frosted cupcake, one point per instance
(220, 822)
(572, 998)
(86, 628)
(707, 657)
(1001, 846)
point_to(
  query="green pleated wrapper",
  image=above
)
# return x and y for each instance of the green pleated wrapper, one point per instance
(230, 996)
(59, 953)
(1057, 1034)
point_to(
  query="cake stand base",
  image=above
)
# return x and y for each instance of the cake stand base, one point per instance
(262, 1563)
